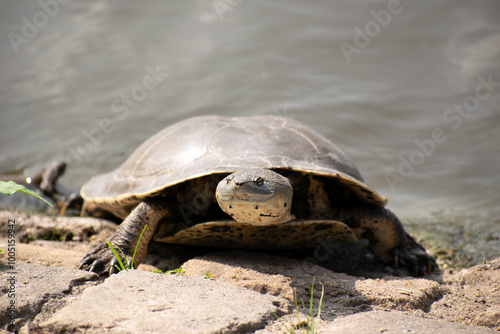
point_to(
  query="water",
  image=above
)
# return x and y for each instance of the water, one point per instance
(375, 79)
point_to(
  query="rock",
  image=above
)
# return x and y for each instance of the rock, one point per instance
(32, 226)
(398, 293)
(136, 302)
(472, 296)
(343, 294)
(396, 323)
(36, 289)
(45, 253)
(70, 238)
(54, 253)
(255, 271)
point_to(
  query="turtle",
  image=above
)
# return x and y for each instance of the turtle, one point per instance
(257, 182)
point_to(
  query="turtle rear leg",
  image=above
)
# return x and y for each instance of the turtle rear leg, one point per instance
(388, 239)
(101, 259)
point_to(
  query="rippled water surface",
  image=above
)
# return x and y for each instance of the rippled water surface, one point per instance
(410, 92)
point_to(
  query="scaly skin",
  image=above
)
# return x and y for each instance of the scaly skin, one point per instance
(388, 239)
(256, 196)
(101, 259)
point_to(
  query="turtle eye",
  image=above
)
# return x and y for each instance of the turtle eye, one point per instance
(258, 180)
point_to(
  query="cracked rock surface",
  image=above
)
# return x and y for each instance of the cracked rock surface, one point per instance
(396, 323)
(138, 301)
(37, 290)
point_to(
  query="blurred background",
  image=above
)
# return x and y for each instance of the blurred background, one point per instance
(409, 90)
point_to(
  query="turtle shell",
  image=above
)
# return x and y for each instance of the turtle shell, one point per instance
(206, 145)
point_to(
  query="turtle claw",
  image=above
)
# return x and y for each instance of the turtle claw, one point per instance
(99, 260)
(113, 269)
(414, 257)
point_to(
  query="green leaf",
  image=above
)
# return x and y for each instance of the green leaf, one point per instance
(10, 187)
(137, 246)
(122, 267)
(178, 272)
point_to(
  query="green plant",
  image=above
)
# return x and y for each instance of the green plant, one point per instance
(309, 325)
(178, 272)
(10, 188)
(127, 265)
(207, 276)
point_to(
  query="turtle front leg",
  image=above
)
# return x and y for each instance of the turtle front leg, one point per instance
(101, 259)
(388, 239)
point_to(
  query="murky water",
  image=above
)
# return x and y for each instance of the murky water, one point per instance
(411, 91)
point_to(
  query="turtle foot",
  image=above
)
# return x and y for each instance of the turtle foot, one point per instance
(414, 257)
(101, 260)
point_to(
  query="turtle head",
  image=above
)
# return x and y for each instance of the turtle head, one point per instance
(256, 196)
